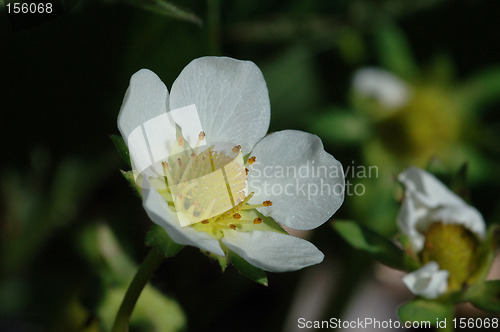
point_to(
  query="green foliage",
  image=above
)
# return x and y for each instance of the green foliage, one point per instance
(340, 126)
(424, 310)
(380, 248)
(157, 237)
(168, 9)
(394, 51)
(485, 295)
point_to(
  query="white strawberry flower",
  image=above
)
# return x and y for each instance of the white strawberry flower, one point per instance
(233, 109)
(429, 209)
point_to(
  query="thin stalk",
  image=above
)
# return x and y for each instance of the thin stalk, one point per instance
(141, 278)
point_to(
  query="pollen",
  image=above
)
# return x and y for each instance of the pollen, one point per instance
(207, 187)
(257, 221)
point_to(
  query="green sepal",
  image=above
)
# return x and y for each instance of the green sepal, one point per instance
(166, 8)
(129, 176)
(486, 254)
(394, 51)
(158, 237)
(245, 268)
(425, 310)
(485, 295)
(121, 147)
(379, 247)
(459, 183)
(222, 260)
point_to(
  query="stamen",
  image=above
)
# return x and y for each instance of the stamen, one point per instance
(257, 221)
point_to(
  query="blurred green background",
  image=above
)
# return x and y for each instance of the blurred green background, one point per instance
(71, 229)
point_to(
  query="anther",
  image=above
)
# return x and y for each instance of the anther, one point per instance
(179, 161)
(251, 160)
(237, 216)
(165, 164)
(180, 141)
(201, 135)
(237, 148)
(204, 221)
(233, 226)
(246, 171)
(267, 203)
(257, 221)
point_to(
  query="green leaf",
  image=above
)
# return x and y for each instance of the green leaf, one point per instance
(485, 295)
(166, 8)
(245, 268)
(394, 52)
(425, 310)
(121, 147)
(158, 237)
(379, 247)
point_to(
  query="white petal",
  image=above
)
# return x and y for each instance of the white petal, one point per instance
(409, 216)
(293, 171)
(386, 88)
(463, 215)
(273, 251)
(427, 201)
(428, 281)
(157, 209)
(146, 99)
(231, 98)
(429, 189)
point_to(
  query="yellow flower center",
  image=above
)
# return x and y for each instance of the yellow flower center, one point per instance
(425, 127)
(207, 187)
(453, 247)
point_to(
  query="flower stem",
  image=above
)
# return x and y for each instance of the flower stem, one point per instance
(141, 278)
